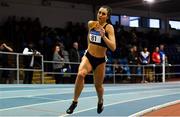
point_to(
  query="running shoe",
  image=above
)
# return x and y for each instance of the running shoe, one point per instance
(100, 108)
(71, 108)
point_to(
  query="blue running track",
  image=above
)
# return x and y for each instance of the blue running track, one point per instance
(53, 100)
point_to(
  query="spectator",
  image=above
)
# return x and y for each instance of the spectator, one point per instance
(74, 57)
(133, 60)
(157, 61)
(29, 61)
(144, 56)
(65, 55)
(57, 67)
(4, 62)
(162, 52)
(118, 70)
(156, 56)
(144, 59)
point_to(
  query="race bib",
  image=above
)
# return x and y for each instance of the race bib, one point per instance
(95, 37)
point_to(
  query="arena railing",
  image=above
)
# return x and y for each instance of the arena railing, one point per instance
(15, 63)
(112, 73)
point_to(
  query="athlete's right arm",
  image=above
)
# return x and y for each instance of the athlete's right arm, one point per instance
(91, 24)
(88, 38)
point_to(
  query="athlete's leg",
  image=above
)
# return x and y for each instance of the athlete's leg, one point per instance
(99, 74)
(84, 69)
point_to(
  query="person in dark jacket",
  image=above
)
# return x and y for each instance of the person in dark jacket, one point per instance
(75, 58)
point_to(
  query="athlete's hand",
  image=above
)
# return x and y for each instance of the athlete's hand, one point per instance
(102, 32)
(97, 26)
(100, 29)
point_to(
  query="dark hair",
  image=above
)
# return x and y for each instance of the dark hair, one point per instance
(109, 10)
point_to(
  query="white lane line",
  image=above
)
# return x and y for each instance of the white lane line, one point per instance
(124, 86)
(51, 99)
(169, 84)
(119, 102)
(33, 85)
(54, 92)
(138, 114)
(28, 90)
(25, 106)
(43, 92)
(80, 99)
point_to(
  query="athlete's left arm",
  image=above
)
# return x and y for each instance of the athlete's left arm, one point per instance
(110, 40)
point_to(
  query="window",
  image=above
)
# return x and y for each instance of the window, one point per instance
(114, 19)
(134, 22)
(154, 23)
(130, 21)
(175, 24)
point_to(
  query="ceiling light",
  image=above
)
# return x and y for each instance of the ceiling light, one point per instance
(149, 1)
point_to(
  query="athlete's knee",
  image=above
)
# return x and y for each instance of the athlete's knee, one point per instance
(81, 74)
(98, 85)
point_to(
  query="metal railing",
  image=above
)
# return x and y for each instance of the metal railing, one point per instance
(111, 69)
(14, 60)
